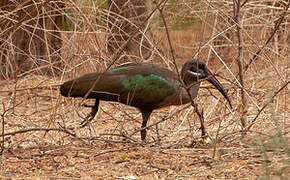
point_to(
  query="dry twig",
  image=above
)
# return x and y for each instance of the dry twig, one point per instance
(240, 59)
(270, 101)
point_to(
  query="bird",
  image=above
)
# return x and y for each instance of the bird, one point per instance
(144, 86)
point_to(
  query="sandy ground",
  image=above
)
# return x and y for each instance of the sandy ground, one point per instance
(45, 141)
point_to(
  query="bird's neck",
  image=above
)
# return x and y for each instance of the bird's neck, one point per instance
(192, 89)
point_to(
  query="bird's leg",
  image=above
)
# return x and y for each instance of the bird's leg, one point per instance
(201, 120)
(145, 116)
(92, 113)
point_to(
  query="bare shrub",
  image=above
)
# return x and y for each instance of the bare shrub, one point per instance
(30, 38)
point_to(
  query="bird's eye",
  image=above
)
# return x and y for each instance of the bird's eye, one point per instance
(200, 66)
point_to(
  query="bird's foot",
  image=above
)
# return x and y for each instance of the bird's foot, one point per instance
(90, 116)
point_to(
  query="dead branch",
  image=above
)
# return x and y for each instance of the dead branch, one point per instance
(42, 129)
(270, 101)
(276, 28)
(237, 19)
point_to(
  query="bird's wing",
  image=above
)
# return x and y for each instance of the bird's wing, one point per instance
(139, 85)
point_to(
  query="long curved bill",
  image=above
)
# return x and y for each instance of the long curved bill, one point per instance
(217, 84)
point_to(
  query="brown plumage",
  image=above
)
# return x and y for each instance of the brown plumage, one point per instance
(141, 85)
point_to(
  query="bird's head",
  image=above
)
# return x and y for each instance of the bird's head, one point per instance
(194, 71)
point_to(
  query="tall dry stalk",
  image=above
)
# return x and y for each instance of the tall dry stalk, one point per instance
(237, 19)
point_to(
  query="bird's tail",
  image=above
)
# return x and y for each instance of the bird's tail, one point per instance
(66, 89)
(74, 88)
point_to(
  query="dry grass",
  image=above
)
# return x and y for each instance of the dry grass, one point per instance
(55, 147)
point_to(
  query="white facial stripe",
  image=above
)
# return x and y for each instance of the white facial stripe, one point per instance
(194, 73)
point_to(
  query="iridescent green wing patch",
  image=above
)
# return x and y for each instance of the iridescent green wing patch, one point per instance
(151, 89)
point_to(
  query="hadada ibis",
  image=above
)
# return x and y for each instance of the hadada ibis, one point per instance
(142, 85)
